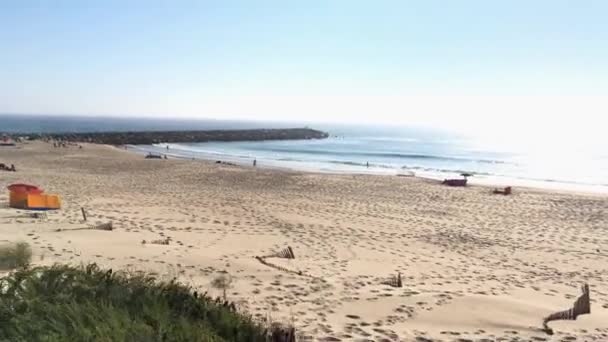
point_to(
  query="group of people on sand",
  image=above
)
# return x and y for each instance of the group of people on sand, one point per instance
(59, 144)
(5, 167)
(151, 155)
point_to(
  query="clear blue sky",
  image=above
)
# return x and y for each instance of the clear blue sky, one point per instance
(425, 62)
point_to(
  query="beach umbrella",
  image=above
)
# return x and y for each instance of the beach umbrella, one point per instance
(466, 174)
(24, 188)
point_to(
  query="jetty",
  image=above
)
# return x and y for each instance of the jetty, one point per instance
(155, 137)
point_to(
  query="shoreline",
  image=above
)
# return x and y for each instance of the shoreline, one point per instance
(492, 183)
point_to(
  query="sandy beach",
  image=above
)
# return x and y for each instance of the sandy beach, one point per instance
(475, 266)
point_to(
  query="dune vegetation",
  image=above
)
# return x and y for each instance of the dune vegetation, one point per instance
(87, 303)
(15, 255)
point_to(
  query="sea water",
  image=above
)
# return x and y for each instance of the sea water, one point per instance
(386, 150)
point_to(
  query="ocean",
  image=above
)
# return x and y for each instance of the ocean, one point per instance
(384, 150)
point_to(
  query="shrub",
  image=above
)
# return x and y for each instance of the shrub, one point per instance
(65, 303)
(222, 282)
(15, 255)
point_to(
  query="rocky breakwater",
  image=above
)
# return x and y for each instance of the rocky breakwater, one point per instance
(155, 137)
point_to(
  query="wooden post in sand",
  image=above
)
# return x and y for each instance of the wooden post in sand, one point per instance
(84, 214)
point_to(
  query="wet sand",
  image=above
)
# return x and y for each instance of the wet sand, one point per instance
(475, 266)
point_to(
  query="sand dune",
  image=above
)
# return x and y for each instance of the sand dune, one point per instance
(475, 266)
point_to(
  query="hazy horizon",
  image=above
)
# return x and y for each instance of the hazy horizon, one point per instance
(261, 123)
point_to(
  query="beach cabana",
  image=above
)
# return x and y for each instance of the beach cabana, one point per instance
(458, 182)
(505, 191)
(31, 197)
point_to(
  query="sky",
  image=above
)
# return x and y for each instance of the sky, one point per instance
(535, 67)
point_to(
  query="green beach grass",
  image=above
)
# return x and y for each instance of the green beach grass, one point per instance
(87, 303)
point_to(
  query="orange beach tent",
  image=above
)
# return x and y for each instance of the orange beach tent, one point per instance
(25, 196)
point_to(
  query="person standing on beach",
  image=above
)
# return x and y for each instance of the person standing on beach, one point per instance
(255, 162)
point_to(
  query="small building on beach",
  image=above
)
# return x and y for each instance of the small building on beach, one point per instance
(31, 197)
